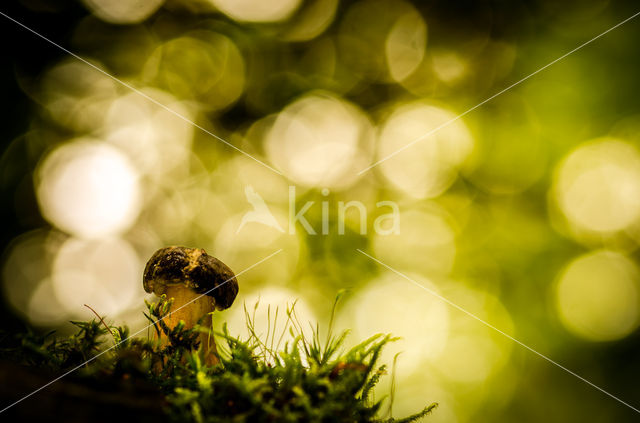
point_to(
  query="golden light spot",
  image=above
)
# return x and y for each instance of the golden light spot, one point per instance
(320, 140)
(267, 300)
(104, 274)
(257, 10)
(240, 245)
(597, 186)
(123, 11)
(381, 40)
(597, 296)
(474, 352)
(430, 165)
(156, 140)
(427, 235)
(390, 304)
(202, 66)
(311, 20)
(77, 96)
(405, 45)
(448, 66)
(44, 309)
(26, 268)
(89, 189)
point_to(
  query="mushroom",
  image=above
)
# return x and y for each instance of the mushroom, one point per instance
(198, 283)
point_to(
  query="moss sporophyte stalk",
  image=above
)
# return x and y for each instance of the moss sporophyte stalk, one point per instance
(182, 375)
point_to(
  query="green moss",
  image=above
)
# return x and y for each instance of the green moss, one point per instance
(309, 379)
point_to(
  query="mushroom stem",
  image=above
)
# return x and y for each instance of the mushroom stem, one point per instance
(180, 273)
(190, 307)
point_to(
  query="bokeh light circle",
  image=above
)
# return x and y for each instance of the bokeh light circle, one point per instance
(311, 20)
(597, 186)
(320, 140)
(241, 245)
(162, 139)
(382, 40)
(26, 268)
(475, 352)
(405, 45)
(123, 11)
(203, 66)
(76, 95)
(425, 242)
(597, 296)
(389, 304)
(88, 189)
(261, 305)
(430, 165)
(104, 274)
(257, 10)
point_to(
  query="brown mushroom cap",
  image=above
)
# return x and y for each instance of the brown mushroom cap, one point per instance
(194, 269)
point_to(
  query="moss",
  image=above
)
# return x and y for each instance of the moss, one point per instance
(309, 379)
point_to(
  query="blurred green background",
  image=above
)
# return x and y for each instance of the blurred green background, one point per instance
(524, 212)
